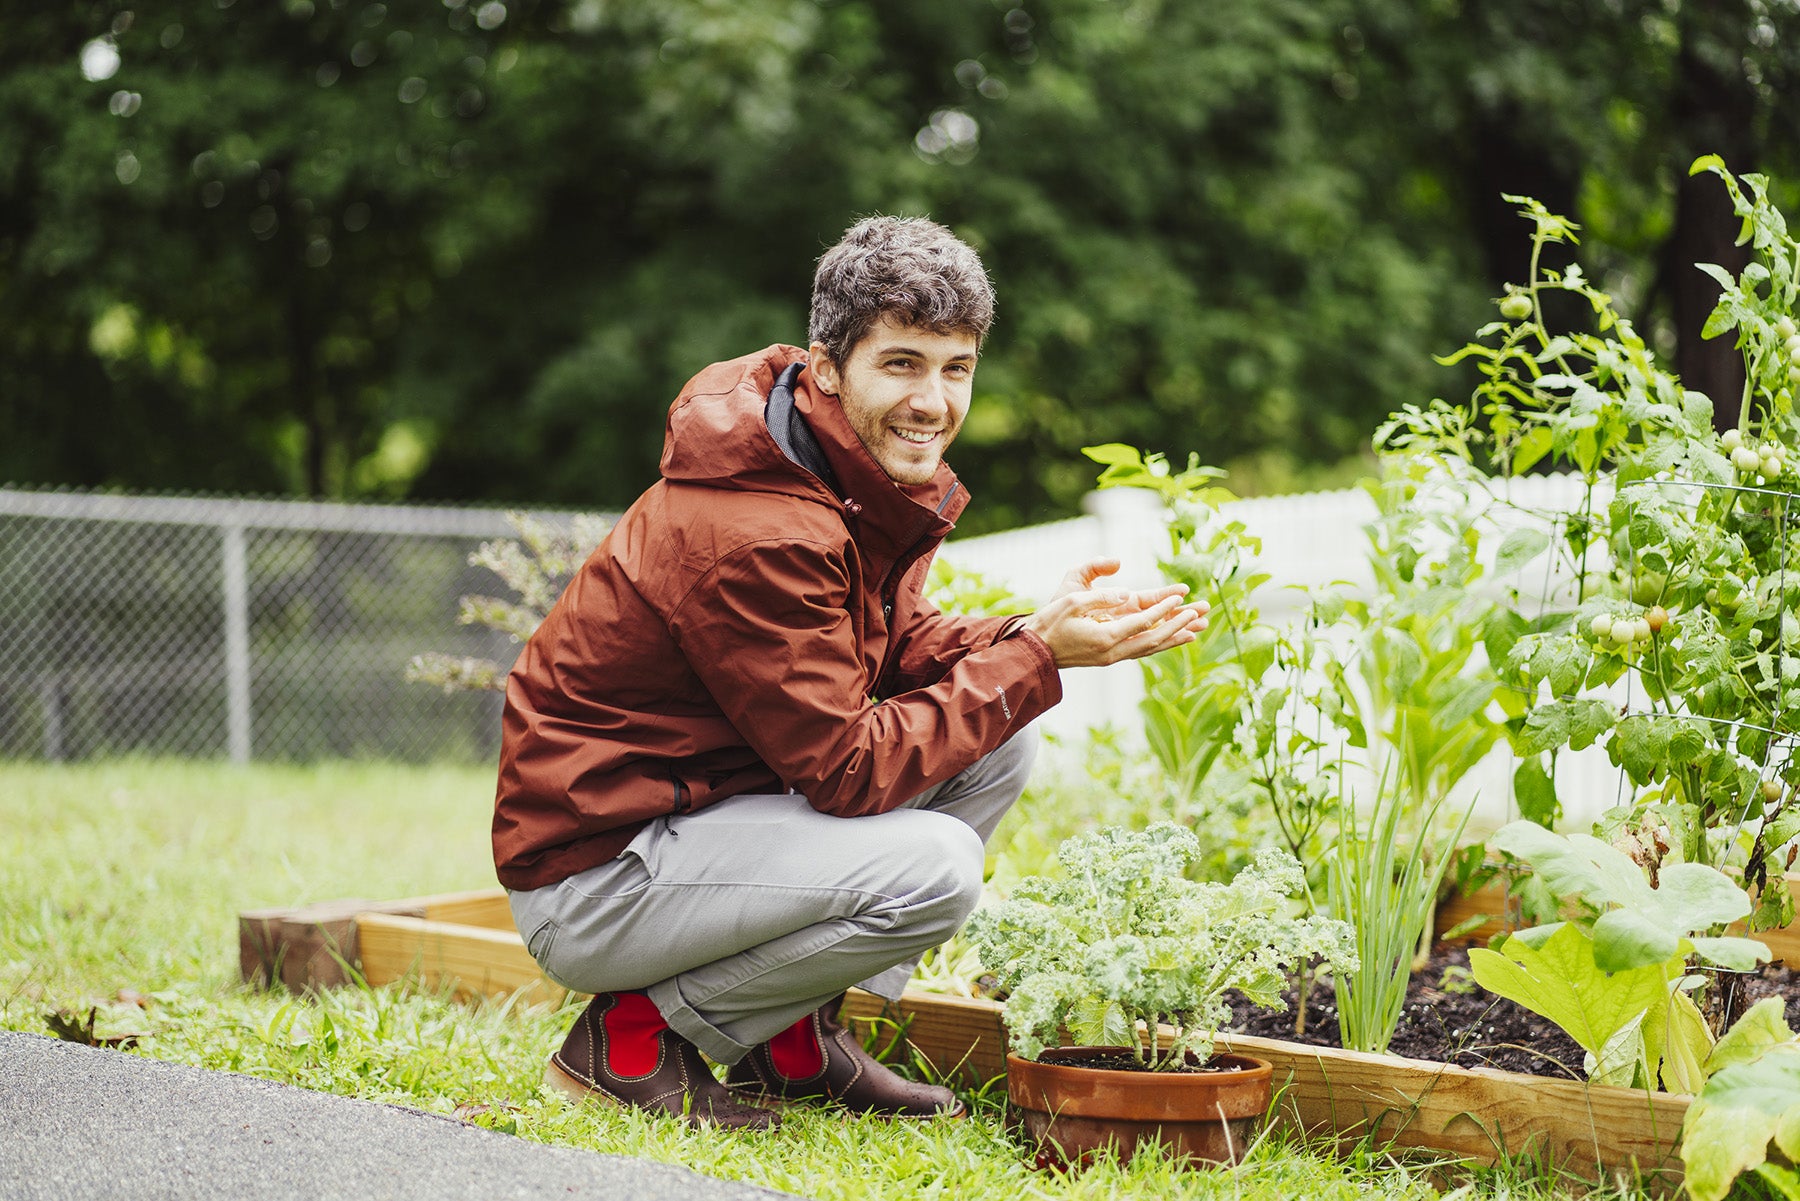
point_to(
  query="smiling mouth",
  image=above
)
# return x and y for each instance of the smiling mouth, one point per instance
(916, 437)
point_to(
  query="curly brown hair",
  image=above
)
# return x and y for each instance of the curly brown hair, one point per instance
(909, 268)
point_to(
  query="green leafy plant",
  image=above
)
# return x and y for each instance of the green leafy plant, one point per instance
(536, 566)
(1250, 718)
(1383, 882)
(1616, 977)
(1670, 575)
(1123, 943)
(1264, 717)
(1417, 640)
(1751, 1098)
(970, 593)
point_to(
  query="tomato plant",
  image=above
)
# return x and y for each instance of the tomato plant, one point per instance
(1675, 581)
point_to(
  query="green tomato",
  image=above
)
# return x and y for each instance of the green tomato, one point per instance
(1745, 459)
(1785, 328)
(1622, 631)
(1601, 626)
(1647, 588)
(1515, 307)
(1731, 439)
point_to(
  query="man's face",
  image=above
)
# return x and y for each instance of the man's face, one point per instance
(905, 391)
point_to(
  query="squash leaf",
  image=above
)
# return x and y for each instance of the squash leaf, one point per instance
(1730, 1124)
(1559, 979)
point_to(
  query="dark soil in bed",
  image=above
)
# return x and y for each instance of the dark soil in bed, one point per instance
(1448, 1019)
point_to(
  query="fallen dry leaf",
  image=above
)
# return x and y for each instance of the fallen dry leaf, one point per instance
(490, 1115)
(71, 1027)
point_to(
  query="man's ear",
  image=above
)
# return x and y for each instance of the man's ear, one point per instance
(824, 371)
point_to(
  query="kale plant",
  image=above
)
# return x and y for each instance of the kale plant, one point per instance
(1124, 943)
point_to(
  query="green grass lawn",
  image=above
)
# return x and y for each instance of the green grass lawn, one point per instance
(125, 879)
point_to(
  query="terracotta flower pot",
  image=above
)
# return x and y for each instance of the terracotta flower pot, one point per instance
(1073, 1110)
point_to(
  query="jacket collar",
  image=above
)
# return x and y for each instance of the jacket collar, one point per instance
(888, 517)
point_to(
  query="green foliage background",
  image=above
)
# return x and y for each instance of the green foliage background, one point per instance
(469, 249)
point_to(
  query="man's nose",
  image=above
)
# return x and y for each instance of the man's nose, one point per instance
(932, 396)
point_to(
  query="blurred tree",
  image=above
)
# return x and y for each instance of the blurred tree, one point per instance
(470, 249)
(1598, 110)
(229, 213)
(1202, 241)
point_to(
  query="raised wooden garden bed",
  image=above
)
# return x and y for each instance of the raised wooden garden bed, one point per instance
(1471, 1113)
(465, 943)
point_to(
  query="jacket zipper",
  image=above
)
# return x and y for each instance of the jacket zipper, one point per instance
(890, 591)
(683, 803)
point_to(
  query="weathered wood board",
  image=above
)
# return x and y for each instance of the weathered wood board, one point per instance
(310, 947)
(470, 961)
(1589, 1131)
(961, 1037)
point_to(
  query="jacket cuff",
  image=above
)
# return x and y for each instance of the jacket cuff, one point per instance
(1049, 679)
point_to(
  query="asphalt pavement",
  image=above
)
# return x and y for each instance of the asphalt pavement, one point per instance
(81, 1123)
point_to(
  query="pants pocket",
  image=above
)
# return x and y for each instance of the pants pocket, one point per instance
(618, 878)
(541, 940)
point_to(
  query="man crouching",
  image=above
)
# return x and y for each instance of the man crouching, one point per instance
(746, 764)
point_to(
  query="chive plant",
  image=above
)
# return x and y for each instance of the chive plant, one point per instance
(1382, 878)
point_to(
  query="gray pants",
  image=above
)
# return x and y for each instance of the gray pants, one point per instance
(743, 917)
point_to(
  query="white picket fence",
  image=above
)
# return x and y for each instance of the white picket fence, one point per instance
(1310, 539)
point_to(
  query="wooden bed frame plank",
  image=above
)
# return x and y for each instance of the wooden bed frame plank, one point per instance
(1471, 1113)
(471, 961)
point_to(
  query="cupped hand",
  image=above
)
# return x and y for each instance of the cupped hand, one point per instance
(1085, 626)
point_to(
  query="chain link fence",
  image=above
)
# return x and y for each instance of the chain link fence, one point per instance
(247, 629)
(279, 630)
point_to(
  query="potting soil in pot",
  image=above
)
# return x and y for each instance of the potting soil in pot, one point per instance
(1123, 1061)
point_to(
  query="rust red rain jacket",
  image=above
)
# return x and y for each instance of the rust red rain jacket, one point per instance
(752, 624)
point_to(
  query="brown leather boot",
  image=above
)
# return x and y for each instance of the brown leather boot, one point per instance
(622, 1052)
(817, 1059)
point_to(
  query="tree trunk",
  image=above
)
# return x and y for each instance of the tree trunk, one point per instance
(1506, 165)
(1712, 111)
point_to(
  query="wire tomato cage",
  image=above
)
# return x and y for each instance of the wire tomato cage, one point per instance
(1765, 522)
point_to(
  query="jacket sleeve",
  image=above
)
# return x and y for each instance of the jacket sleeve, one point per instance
(931, 643)
(768, 630)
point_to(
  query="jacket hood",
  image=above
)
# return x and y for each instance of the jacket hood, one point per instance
(717, 436)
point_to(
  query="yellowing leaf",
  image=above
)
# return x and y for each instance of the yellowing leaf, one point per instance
(1762, 1026)
(1729, 1125)
(1677, 1034)
(1559, 980)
